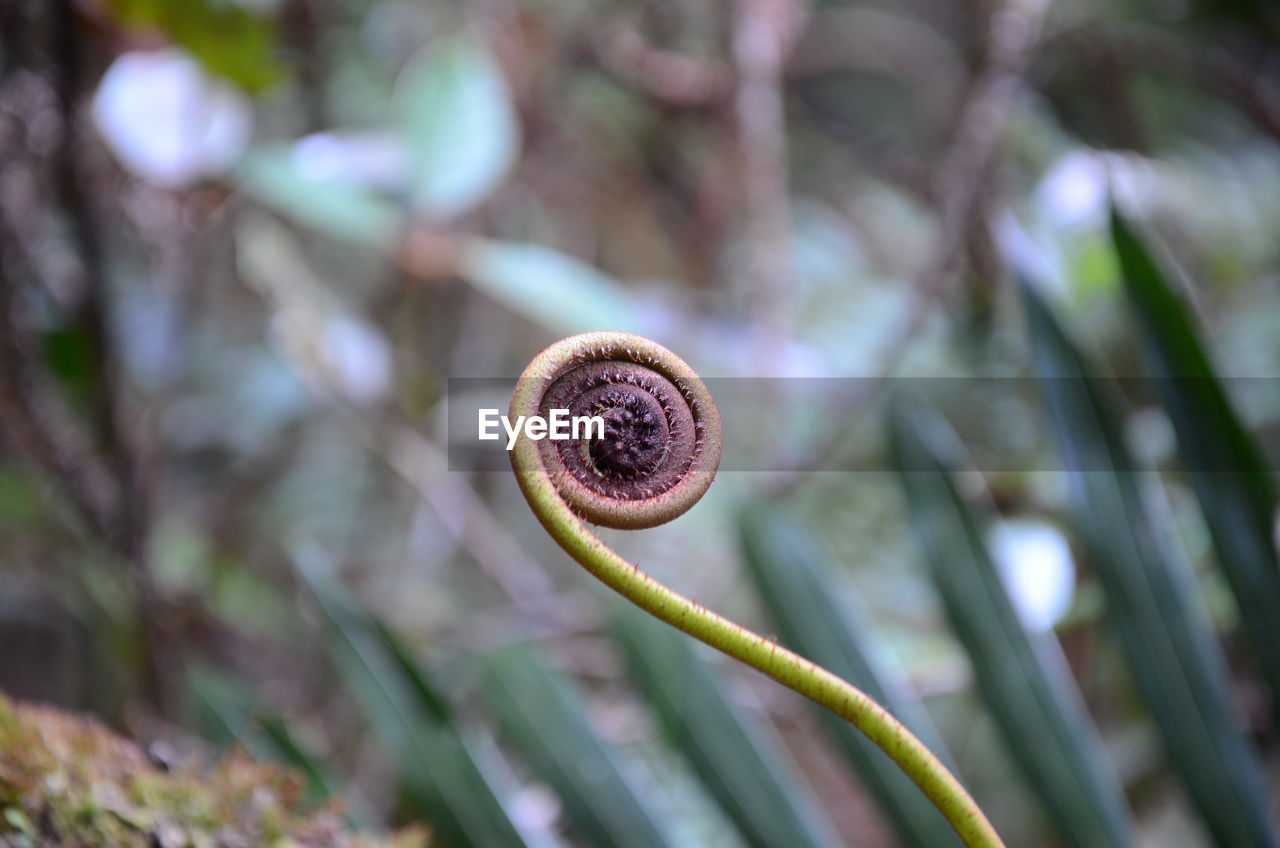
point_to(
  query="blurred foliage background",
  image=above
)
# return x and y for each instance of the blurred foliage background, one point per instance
(244, 244)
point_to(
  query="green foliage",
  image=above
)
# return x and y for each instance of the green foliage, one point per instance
(340, 209)
(459, 126)
(825, 624)
(1162, 629)
(545, 285)
(283, 747)
(736, 756)
(69, 353)
(546, 721)
(1023, 676)
(232, 718)
(227, 38)
(444, 778)
(1225, 465)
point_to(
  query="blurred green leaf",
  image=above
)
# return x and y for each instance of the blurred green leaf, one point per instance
(230, 715)
(556, 290)
(443, 778)
(544, 718)
(338, 208)
(424, 691)
(1225, 465)
(279, 743)
(1023, 676)
(459, 124)
(1171, 653)
(738, 758)
(19, 497)
(222, 706)
(227, 38)
(69, 352)
(824, 625)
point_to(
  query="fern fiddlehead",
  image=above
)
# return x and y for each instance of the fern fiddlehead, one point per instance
(659, 454)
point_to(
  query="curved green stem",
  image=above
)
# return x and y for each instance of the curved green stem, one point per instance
(572, 534)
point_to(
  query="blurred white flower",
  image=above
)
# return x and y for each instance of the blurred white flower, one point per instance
(1073, 192)
(376, 159)
(1035, 564)
(168, 121)
(358, 358)
(535, 809)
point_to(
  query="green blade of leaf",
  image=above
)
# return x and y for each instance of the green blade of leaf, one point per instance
(223, 708)
(443, 777)
(553, 288)
(348, 211)
(1023, 676)
(1225, 465)
(425, 695)
(279, 743)
(738, 759)
(1172, 655)
(542, 716)
(823, 624)
(230, 715)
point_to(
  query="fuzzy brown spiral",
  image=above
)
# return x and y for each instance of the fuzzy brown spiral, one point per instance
(662, 438)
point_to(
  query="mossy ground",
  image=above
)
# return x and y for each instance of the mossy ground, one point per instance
(68, 781)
